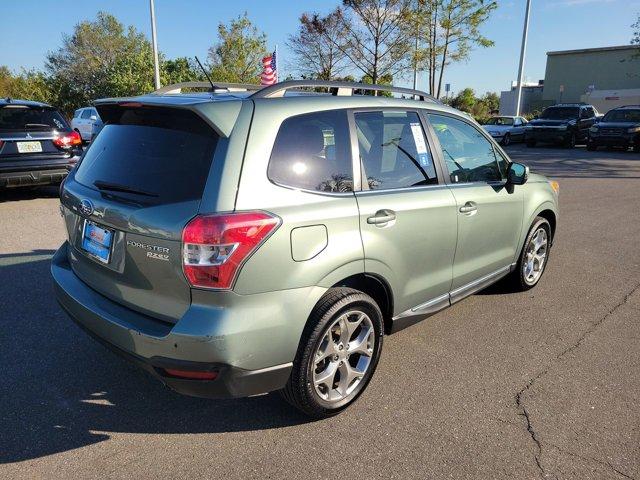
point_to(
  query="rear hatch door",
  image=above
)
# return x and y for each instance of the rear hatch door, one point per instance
(126, 204)
(28, 132)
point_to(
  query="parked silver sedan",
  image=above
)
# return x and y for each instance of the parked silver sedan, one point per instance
(506, 129)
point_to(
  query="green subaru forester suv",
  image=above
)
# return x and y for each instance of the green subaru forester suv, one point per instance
(247, 240)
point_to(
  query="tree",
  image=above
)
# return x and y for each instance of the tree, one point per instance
(181, 69)
(316, 46)
(452, 30)
(29, 85)
(464, 100)
(376, 38)
(481, 108)
(237, 56)
(491, 101)
(635, 39)
(101, 58)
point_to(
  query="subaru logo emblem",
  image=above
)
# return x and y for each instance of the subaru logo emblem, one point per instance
(86, 207)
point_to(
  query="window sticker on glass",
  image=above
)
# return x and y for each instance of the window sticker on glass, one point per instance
(421, 146)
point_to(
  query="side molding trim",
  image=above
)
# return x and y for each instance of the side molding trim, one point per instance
(424, 310)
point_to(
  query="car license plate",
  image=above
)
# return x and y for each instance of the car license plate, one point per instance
(97, 241)
(29, 147)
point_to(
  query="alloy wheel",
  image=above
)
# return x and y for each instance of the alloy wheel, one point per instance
(536, 256)
(343, 356)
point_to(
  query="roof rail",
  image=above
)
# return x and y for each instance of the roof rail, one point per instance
(228, 87)
(338, 89)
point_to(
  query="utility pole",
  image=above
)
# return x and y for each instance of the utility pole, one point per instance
(415, 61)
(154, 42)
(525, 32)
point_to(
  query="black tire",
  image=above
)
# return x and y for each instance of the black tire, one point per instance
(506, 140)
(531, 143)
(517, 279)
(570, 142)
(300, 391)
(592, 147)
(636, 148)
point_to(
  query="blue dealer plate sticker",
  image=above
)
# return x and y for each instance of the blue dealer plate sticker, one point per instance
(425, 159)
(97, 241)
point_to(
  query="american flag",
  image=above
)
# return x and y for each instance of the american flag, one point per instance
(269, 74)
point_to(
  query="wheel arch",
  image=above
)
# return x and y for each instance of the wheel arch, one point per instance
(550, 216)
(377, 288)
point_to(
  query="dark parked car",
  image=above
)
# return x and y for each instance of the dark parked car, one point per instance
(37, 145)
(565, 123)
(620, 127)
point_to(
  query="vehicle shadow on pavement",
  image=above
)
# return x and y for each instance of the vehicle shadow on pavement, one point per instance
(61, 390)
(28, 193)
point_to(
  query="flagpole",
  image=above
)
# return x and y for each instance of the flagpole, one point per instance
(277, 65)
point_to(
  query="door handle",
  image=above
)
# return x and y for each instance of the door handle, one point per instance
(382, 216)
(468, 207)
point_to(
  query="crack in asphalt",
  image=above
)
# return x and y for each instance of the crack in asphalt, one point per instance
(519, 396)
(590, 459)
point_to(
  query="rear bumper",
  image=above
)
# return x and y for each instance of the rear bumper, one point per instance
(40, 172)
(251, 355)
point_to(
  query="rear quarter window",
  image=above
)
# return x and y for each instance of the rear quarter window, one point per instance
(312, 152)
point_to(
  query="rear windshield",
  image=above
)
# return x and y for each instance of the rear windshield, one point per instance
(622, 116)
(560, 113)
(19, 117)
(156, 155)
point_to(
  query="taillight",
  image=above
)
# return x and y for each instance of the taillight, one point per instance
(214, 247)
(67, 140)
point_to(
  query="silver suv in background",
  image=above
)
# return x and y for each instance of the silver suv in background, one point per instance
(235, 243)
(87, 122)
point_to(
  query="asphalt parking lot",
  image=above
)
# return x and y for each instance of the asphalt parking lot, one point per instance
(543, 384)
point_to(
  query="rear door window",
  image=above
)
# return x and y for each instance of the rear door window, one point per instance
(312, 152)
(393, 150)
(163, 154)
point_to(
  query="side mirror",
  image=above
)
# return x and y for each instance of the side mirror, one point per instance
(517, 174)
(93, 117)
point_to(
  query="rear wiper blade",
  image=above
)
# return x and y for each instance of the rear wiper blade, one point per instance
(30, 125)
(115, 187)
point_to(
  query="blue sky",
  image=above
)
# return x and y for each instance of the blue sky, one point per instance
(30, 28)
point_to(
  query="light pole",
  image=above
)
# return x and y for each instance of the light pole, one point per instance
(154, 42)
(525, 32)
